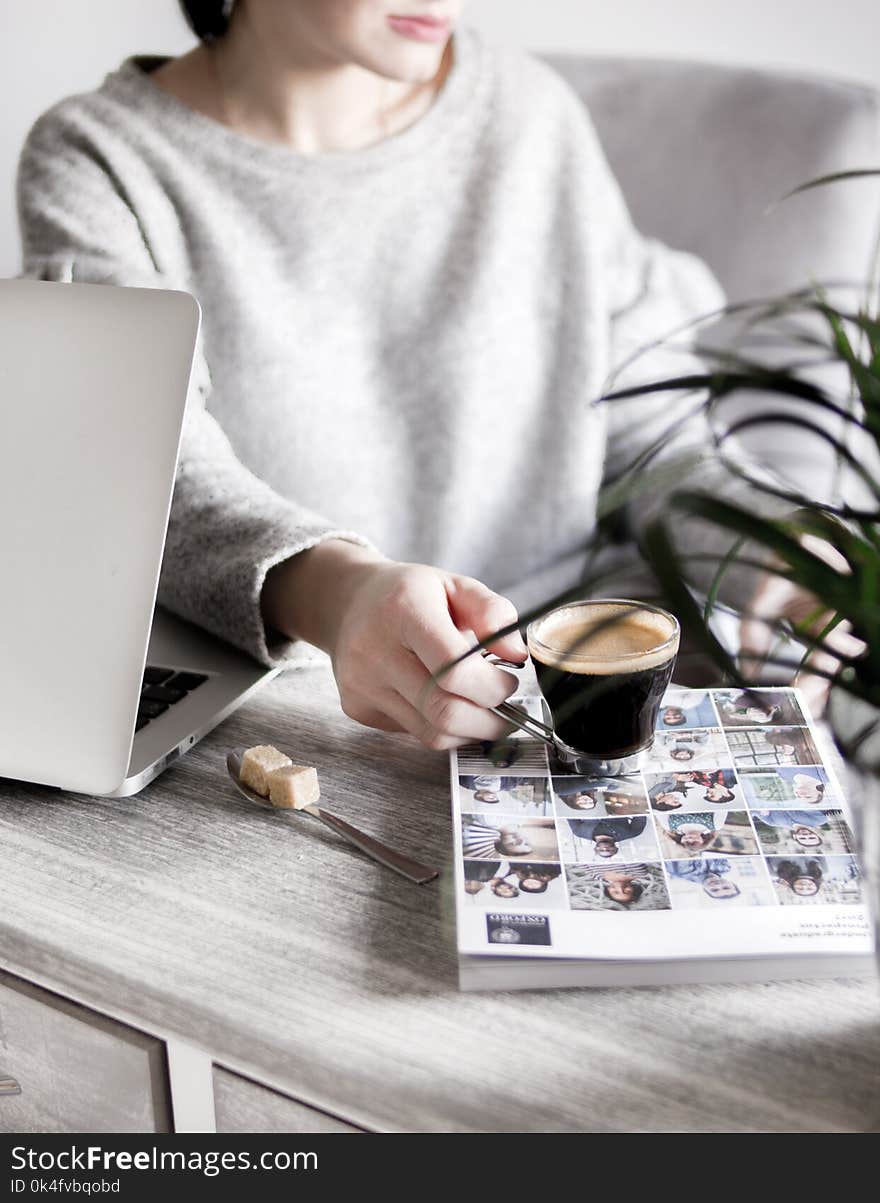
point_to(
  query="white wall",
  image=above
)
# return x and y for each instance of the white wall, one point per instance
(54, 47)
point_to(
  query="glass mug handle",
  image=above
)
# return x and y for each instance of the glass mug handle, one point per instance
(515, 714)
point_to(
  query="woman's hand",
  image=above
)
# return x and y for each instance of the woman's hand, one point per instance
(779, 598)
(388, 627)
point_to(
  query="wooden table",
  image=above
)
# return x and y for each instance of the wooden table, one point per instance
(281, 953)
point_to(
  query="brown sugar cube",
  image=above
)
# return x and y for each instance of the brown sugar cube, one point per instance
(294, 786)
(256, 765)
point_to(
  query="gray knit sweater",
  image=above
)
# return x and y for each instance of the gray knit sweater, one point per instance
(400, 344)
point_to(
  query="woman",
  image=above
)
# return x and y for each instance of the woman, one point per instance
(624, 887)
(575, 792)
(486, 789)
(802, 826)
(717, 785)
(803, 878)
(667, 799)
(694, 833)
(687, 709)
(415, 271)
(670, 791)
(709, 875)
(673, 716)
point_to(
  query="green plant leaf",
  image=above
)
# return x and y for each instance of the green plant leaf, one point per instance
(796, 420)
(834, 177)
(864, 378)
(638, 479)
(663, 557)
(815, 575)
(730, 557)
(721, 383)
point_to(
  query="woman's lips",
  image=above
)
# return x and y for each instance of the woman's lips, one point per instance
(421, 29)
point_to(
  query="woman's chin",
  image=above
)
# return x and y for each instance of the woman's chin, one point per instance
(407, 64)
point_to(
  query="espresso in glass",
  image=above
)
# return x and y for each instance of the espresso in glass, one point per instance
(603, 667)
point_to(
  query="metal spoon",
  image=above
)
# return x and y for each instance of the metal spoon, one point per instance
(413, 870)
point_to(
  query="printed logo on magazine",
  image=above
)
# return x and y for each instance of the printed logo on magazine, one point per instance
(518, 929)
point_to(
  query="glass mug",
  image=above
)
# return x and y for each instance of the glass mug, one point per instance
(602, 667)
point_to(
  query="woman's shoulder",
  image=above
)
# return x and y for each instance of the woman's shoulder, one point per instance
(90, 120)
(526, 85)
(518, 69)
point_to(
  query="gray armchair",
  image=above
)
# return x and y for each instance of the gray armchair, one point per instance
(701, 151)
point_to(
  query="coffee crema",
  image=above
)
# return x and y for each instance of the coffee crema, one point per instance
(603, 638)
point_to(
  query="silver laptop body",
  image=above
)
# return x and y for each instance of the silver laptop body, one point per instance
(93, 386)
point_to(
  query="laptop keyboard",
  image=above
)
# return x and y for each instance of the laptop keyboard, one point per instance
(163, 687)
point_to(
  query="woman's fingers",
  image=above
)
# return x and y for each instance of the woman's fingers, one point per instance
(474, 607)
(776, 598)
(434, 638)
(813, 679)
(444, 712)
(419, 724)
(398, 714)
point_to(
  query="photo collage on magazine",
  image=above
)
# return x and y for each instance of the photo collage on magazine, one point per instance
(732, 808)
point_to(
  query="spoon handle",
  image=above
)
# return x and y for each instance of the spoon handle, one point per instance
(413, 870)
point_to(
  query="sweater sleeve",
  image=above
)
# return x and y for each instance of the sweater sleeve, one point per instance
(654, 295)
(227, 527)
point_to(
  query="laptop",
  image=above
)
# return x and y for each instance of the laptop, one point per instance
(99, 689)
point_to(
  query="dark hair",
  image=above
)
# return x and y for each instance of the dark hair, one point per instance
(572, 804)
(720, 801)
(658, 805)
(208, 19)
(706, 837)
(790, 872)
(509, 888)
(541, 873)
(637, 892)
(674, 722)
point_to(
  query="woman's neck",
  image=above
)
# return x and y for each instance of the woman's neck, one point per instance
(309, 106)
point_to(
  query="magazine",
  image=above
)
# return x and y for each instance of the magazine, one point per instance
(729, 855)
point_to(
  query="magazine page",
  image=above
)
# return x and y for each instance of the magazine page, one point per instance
(732, 840)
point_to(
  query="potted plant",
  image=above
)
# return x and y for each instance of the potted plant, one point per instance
(806, 328)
